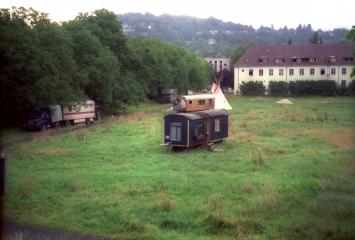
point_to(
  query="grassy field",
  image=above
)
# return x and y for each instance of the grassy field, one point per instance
(286, 172)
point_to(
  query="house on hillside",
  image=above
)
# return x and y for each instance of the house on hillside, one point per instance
(267, 63)
(218, 64)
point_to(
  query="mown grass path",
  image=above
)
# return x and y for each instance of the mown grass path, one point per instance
(287, 171)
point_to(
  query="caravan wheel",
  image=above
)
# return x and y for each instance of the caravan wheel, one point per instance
(67, 123)
(56, 125)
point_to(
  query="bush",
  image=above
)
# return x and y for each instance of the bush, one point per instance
(252, 88)
(343, 91)
(308, 88)
(278, 88)
(352, 87)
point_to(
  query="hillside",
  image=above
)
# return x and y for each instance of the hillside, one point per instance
(213, 37)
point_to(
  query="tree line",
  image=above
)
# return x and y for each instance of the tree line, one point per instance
(44, 62)
(212, 37)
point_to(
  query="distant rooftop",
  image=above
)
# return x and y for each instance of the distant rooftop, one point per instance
(297, 55)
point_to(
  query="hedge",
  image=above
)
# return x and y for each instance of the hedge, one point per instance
(319, 87)
(252, 88)
(352, 87)
(298, 88)
(278, 88)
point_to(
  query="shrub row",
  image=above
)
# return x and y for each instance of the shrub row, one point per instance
(298, 88)
(252, 88)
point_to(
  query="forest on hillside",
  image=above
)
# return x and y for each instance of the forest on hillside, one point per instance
(214, 38)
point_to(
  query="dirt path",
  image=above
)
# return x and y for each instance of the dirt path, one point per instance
(16, 231)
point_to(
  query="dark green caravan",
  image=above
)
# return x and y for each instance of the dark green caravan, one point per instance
(195, 128)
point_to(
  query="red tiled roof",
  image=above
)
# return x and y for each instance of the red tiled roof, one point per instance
(255, 55)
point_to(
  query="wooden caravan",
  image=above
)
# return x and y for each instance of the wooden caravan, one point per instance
(195, 128)
(191, 103)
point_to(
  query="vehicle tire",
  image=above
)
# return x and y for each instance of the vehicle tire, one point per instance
(56, 125)
(87, 121)
(43, 128)
(67, 123)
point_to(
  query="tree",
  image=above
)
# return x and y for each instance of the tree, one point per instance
(315, 39)
(351, 37)
(237, 53)
(37, 64)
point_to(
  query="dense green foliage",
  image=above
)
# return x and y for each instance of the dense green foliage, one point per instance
(285, 172)
(278, 88)
(214, 38)
(45, 63)
(318, 88)
(351, 37)
(160, 65)
(252, 88)
(237, 53)
(352, 87)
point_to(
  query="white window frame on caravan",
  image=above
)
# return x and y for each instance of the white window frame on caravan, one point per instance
(175, 131)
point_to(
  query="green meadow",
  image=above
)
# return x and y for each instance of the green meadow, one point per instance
(285, 172)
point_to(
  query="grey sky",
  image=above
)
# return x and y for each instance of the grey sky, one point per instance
(324, 14)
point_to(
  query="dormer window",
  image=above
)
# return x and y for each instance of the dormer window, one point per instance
(279, 60)
(313, 60)
(348, 59)
(263, 60)
(332, 59)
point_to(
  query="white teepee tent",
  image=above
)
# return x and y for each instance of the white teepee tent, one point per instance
(220, 100)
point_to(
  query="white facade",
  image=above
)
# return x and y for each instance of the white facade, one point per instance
(218, 64)
(336, 73)
(267, 63)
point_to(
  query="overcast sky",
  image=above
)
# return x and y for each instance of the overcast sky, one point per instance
(324, 14)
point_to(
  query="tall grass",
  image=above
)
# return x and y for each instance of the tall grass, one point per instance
(284, 174)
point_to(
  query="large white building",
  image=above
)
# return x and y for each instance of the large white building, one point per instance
(267, 63)
(218, 64)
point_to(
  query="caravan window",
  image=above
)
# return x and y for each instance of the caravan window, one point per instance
(217, 125)
(199, 131)
(175, 131)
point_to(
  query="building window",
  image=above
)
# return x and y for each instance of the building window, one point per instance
(199, 131)
(217, 125)
(262, 60)
(294, 59)
(348, 59)
(311, 71)
(291, 72)
(343, 71)
(279, 60)
(175, 131)
(271, 72)
(343, 82)
(322, 71)
(201, 102)
(332, 71)
(250, 72)
(301, 71)
(261, 72)
(281, 72)
(332, 59)
(312, 60)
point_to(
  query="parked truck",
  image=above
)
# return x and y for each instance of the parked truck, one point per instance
(57, 115)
